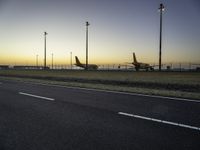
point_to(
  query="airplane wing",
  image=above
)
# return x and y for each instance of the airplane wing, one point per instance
(157, 65)
(128, 63)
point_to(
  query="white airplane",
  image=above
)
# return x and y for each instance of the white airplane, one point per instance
(90, 66)
(140, 65)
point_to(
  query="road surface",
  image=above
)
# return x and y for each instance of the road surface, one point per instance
(49, 117)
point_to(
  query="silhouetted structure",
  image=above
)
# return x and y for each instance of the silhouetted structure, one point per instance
(71, 60)
(52, 61)
(87, 24)
(29, 67)
(45, 33)
(161, 8)
(4, 67)
(36, 60)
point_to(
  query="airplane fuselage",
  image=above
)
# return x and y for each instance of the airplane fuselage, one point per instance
(89, 66)
(140, 65)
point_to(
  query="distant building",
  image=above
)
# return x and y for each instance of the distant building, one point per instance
(29, 67)
(4, 67)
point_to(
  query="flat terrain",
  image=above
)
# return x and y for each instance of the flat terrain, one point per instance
(48, 117)
(176, 84)
(188, 78)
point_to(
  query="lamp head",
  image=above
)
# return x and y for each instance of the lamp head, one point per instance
(161, 8)
(87, 23)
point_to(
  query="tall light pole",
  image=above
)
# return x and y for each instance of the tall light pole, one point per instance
(52, 61)
(45, 62)
(87, 24)
(37, 60)
(71, 59)
(161, 9)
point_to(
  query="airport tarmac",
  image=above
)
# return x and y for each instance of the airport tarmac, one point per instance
(36, 116)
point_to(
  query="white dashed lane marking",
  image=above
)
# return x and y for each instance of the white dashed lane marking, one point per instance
(36, 96)
(160, 121)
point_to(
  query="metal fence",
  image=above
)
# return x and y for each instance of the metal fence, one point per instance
(122, 67)
(166, 66)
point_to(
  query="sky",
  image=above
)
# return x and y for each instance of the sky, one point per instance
(117, 29)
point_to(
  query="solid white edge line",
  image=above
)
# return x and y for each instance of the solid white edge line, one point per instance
(125, 93)
(36, 96)
(160, 121)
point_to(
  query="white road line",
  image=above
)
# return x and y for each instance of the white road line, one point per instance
(36, 96)
(126, 114)
(125, 93)
(160, 121)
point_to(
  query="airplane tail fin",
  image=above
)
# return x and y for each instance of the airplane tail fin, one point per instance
(134, 58)
(77, 61)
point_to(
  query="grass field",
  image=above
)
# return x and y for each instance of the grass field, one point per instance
(177, 84)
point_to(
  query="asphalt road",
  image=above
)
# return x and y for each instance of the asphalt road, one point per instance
(46, 117)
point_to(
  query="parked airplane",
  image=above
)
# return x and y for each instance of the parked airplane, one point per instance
(90, 66)
(140, 65)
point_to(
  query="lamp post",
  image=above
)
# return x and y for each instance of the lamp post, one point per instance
(161, 9)
(45, 34)
(87, 24)
(52, 61)
(71, 59)
(37, 61)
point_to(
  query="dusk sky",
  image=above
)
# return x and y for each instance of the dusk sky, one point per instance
(117, 28)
